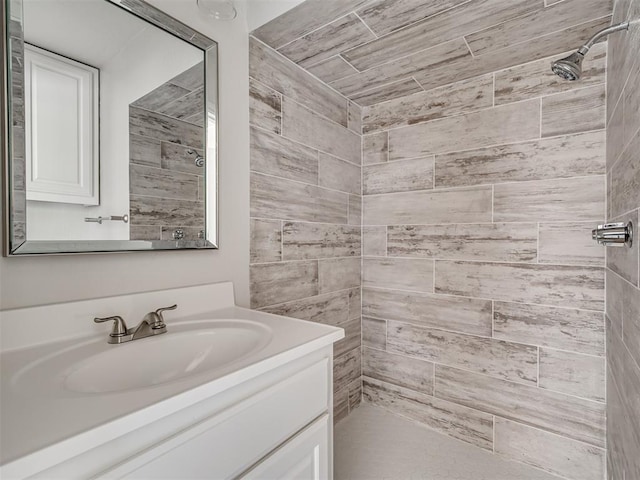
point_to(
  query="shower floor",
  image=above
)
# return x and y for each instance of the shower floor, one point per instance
(373, 444)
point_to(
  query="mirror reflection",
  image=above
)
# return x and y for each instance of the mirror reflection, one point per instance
(115, 129)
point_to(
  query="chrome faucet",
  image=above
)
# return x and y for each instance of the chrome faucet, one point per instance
(151, 324)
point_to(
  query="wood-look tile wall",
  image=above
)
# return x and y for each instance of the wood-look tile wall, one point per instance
(372, 51)
(306, 204)
(165, 185)
(483, 295)
(623, 292)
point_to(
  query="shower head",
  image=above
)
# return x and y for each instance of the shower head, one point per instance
(570, 68)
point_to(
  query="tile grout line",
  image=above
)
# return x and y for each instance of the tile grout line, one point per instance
(416, 323)
(538, 367)
(433, 288)
(456, 114)
(386, 335)
(300, 182)
(493, 203)
(540, 119)
(493, 52)
(546, 34)
(362, 241)
(578, 89)
(464, 38)
(322, 117)
(412, 24)
(492, 262)
(361, 44)
(412, 77)
(493, 318)
(340, 224)
(297, 142)
(454, 83)
(314, 30)
(623, 88)
(493, 90)
(282, 131)
(485, 185)
(507, 143)
(324, 84)
(282, 241)
(493, 440)
(433, 173)
(510, 143)
(549, 432)
(386, 240)
(538, 243)
(621, 278)
(388, 149)
(525, 385)
(623, 150)
(449, 295)
(434, 380)
(362, 94)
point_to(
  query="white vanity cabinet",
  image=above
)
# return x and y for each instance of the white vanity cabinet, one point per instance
(278, 432)
(149, 412)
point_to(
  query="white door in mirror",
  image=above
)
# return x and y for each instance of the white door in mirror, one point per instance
(61, 128)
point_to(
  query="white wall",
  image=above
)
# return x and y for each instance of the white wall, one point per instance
(53, 279)
(260, 12)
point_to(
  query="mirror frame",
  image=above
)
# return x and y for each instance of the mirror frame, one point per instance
(16, 247)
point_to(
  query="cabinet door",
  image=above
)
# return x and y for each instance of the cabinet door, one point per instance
(228, 443)
(304, 457)
(62, 122)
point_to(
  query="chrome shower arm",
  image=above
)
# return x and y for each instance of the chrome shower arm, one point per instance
(570, 68)
(602, 33)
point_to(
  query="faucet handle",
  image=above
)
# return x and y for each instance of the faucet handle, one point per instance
(160, 318)
(172, 307)
(119, 325)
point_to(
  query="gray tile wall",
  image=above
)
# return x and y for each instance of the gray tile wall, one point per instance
(165, 186)
(623, 294)
(483, 295)
(306, 203)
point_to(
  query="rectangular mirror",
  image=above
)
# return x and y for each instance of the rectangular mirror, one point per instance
(110, 129)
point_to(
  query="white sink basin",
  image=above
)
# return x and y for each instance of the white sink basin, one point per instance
(190, 349)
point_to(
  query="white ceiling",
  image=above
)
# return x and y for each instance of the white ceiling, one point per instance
(90, 31)
(94, 31)
(260, 12)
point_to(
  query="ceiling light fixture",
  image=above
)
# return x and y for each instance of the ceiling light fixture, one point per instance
(218, 9)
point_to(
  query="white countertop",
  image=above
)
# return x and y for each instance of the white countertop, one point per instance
(48, 427)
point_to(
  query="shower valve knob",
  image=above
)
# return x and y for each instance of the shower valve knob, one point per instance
(614, 234)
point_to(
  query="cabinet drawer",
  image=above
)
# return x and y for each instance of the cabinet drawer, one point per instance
(227, 443)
